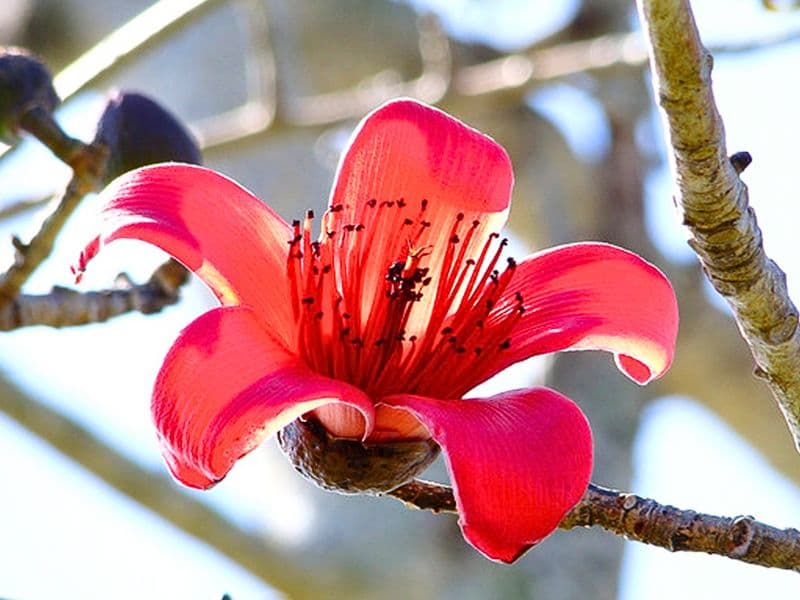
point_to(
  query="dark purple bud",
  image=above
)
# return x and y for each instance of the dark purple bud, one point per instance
(139, 132)
(26, 87)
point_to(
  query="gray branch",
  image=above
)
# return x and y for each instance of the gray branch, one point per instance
(715, 204)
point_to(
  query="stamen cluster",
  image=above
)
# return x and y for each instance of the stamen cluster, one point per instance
(433, 303)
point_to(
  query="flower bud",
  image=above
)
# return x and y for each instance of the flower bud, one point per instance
(139, 132)
(26, 86)
(350, 466)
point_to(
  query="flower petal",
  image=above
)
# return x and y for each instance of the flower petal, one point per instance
(225, 386)
(586, 296)
(218, 229)
(401, 154)
(518, 462)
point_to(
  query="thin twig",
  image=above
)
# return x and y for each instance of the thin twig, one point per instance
(715, 204)
(64, 307)
(87, 162)
(645, 520)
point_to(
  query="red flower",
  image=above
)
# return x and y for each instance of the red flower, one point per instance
(378, 328)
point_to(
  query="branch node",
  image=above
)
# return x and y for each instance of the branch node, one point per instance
(740, 161)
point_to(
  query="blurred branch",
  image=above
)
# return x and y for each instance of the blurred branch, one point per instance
(161, 495)
(14, 208)
(430, 86)
(513, 73)
(612, 51)
(63, 307)
(644, 520)
(715, 204)
(125, 43)
(258, 112)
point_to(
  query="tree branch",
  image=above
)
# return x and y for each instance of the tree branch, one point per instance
(715, 206)
(64, 307)
(645, 520)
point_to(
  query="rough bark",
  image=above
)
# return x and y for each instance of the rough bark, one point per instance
(714, 203)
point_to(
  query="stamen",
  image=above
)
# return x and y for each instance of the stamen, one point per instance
(469, 315)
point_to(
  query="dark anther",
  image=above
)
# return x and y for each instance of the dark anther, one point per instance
(425, 223)
(357, 342)
(740, 161)
(308, 300)
(494, 236)
(452, 339)
(408, 222)
(413, 338)
(372, 202)
(521, 309)
(475, 223)
(318, 316)
(309, 214)
(315, 270)
(315, 248)
(455, 239)
(489, 303)
(461, 349)
(504, 242)
(395, 272)
(326, 269)
(447, 331)
(518, 296)
(387, 203)
(330, 234)
(360, 227)
(295, 223)
(424, 203)
(346, 316)
(380, 342)
(401, 203)
(344, 332)
(511, 262)
(506, 344)
(349, 227)
(427, 281)
(478, 350)
(336, 207)
(460, 216)
(470, 262)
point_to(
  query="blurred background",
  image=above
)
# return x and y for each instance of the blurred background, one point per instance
(86, 507)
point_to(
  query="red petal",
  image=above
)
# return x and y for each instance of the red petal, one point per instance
(218, 229)
(225, 386)
(588, 296)
(412, 152)
(518, 462)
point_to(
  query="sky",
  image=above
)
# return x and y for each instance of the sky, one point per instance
(670, 472)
